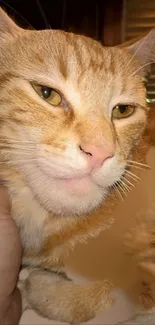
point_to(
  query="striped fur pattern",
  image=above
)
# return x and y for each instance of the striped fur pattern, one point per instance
(57, 198)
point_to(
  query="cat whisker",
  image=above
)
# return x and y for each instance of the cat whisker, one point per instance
(17, 161)
(42, 14)
(139, 47)
(20, 145)
(11, 143)
(138, 163)
(28, 153)
(17, 144)
(121, 186)
(131, 178)
(137, 167)
(59, 164)
(16, 151)
(12, 147)
(32, 148)
(125, 186)
(127, 181)
(18, 14)
(118, 192)
(14, 139)
(143, 66)
(132, 175)
(122, 189)
(29, 159)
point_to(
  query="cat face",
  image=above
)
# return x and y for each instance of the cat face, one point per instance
(71, 113)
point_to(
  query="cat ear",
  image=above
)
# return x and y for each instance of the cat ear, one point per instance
(144, 50)
(7, 25)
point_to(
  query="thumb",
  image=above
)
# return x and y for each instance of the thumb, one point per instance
(5, 204)
(10, 247)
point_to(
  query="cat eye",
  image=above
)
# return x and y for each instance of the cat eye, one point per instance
(122, 111)
(49, 94)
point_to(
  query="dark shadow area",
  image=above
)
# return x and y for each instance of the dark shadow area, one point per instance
(99, 19)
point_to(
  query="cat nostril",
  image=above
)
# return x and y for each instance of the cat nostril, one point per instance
(87, 153)
(96, 154)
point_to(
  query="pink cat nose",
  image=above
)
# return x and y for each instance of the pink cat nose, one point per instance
(97, 155)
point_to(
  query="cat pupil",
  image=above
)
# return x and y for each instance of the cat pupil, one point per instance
(123, 108)
(46, 92)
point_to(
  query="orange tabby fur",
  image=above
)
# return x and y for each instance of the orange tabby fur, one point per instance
(50, 217)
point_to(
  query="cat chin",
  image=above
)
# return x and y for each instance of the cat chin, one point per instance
(72, 196)
(66, 202)
(75, 198)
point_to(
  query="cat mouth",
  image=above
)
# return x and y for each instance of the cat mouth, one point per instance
(77, 179)
(77, 184)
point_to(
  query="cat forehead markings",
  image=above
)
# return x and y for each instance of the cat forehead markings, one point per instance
(59, 57)
(67, 54)
(86, 73)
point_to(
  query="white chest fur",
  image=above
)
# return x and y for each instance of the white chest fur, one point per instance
(29, 217)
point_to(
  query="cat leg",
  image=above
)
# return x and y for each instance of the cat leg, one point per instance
(56, 297)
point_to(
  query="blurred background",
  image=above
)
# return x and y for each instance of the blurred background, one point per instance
(109, 21)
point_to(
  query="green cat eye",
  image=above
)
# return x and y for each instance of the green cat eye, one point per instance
(50, 95)
(122, 111)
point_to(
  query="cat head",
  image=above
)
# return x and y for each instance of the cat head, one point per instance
(71, 113)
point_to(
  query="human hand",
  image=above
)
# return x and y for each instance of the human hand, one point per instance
(10, 260)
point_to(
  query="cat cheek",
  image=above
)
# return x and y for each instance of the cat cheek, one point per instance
(73, 157)
(110, 172)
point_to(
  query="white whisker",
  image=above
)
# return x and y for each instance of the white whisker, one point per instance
(126, 187)
(12, 147)
(16, 161)
(143, 66)
(132, 175)
(16, 151)
(118, 192)
(139, 47)
(127, 181)
(137, 167)
(138, 163)
(14, 140)
(121, 186)
(24, 19)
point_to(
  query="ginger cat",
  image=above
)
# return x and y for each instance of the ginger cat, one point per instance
(71, 121)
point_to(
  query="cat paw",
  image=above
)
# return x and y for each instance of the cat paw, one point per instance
(62, 300)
